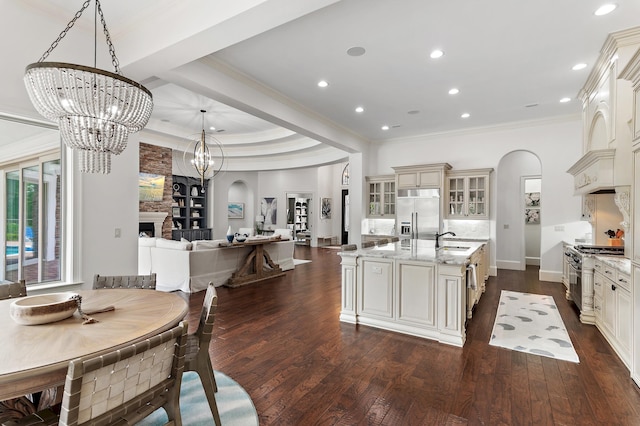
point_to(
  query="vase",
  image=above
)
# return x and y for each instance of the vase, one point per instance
(230, 235)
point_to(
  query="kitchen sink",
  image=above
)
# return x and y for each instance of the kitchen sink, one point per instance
(454, 248)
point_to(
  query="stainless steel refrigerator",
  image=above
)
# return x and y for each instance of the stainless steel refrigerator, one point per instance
(418, 213)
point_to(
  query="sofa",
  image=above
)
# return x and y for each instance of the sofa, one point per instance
(190, 266)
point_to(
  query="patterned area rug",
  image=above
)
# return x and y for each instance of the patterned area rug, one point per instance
(531, 323)
(234, 404)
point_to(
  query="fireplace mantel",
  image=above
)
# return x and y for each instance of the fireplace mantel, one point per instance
(157, 218)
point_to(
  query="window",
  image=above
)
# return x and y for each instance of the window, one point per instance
(33, 230)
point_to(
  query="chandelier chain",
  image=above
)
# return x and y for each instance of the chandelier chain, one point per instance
(112, 50)
(63, 33)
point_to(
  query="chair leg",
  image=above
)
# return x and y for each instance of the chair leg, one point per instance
(205, 371)
(172, 407)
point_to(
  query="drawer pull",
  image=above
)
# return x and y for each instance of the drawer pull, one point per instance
(613, 287)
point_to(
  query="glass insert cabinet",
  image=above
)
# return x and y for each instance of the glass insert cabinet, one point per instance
(468, 194)
(382, 196)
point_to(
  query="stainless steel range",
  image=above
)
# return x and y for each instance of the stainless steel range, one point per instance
(581, 260)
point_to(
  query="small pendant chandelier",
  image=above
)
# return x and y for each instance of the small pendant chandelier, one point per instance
(208, 155)
(95, 109)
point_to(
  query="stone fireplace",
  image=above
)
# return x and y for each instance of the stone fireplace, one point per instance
(155, 218)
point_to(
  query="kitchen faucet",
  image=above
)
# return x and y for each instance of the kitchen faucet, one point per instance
(440, 235)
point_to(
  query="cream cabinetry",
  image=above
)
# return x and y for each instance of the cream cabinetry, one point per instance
(423, 298)
(479, 259)
(467, 194)
(416, 294)
(375, 285)
(382, 196)
(424, 176)
(613, 308)
(410, 301)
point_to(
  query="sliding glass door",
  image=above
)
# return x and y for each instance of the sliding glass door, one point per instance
(33, 233)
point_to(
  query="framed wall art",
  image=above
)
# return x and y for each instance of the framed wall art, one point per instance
(325, 208)
(235, 210)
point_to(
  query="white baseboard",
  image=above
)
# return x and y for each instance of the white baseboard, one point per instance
(510, 264)
(532, 261)
(552, 276)
(493, 271)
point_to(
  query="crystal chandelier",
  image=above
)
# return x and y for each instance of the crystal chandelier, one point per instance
(95, 109)
(204, 161)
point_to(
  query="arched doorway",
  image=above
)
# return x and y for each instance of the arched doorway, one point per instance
(519, 218)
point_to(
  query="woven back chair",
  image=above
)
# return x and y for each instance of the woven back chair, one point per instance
(123, 386)
(197, 356)
(368, 244)
(11, 290)
(382, 242)
(395, 239)
(349, 247)
(125, 281)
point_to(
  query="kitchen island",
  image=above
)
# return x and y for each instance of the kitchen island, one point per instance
(413, 288)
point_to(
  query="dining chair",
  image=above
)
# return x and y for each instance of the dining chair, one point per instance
(11, 290)
(349, 247)
(368, 244)
(382, 242)
(125, 281)
(123, 386)
(395, 239)
(197, 355)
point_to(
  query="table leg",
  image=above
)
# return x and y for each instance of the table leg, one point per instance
(253, 269)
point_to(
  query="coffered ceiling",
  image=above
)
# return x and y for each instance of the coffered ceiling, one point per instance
(254, 66)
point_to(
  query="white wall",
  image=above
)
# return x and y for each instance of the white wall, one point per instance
(558, 145)
(103, 203)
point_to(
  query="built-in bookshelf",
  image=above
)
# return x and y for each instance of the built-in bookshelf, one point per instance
(189, 209)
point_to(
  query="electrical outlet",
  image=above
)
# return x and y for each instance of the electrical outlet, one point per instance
(118, 233)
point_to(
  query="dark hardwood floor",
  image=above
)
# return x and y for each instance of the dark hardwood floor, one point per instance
(282, 341)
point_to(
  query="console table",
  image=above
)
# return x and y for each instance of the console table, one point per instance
(258, 264)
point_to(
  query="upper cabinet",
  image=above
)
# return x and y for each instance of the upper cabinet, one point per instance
(382, 196)
(425, 176)
(467, 194)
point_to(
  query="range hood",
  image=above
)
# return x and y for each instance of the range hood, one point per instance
(593, 173)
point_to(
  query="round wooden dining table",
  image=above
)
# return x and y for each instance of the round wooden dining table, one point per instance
(36, 357)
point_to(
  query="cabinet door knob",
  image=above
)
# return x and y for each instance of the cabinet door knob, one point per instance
(613, 287)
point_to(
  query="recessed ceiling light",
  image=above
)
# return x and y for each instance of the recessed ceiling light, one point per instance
(356, 51)
(580, 66)
(531, 105)
(359, 109)
(465, 115)
(322, 83)
(212, 128)
(413, 112)
(565, 100)
(165, 120)
(605, 9)
(436, 54)
(454, 91)
(385, 127)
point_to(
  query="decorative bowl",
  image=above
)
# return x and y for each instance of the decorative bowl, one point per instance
(43, 309)
(241, 238)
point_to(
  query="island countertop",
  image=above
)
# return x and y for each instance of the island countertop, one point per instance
(450, 252)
